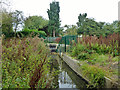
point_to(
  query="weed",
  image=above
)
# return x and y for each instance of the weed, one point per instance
(95, 75)
(83, 56)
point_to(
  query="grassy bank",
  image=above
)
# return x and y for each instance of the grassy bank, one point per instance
(97, 57)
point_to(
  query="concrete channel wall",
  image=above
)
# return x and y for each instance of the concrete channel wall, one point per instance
(76, 67)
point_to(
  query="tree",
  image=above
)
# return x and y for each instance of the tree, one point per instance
(81, 19)
(71, 30)
(116, 26)
(80, 23)
(54, 22)
(2, 9)
(35, 22)
(17, 19)
(90, 27)
(7, 26)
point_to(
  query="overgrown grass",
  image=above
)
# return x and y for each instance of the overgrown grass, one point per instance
(96, 55)
(83, 52)
(25, 63)
(95, 75)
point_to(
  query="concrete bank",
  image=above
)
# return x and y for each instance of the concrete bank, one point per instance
(76, 67)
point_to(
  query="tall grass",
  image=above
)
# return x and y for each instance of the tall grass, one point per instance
(95, 74)
(25, 63)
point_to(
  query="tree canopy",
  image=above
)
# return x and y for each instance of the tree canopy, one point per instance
(91, 27)
(71, 30)
(54, 22)
(7, 26)
(18, 19)
(35, 22)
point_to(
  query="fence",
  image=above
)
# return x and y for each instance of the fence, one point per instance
(66, 43)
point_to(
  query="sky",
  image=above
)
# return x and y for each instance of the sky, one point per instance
(100, 10)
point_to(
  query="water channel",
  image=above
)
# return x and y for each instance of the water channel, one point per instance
(66, 78)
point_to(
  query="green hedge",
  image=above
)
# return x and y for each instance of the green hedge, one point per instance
(25, 33)
(10, 34)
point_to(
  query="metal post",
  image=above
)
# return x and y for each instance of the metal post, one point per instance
(65, 44)
(76, 38)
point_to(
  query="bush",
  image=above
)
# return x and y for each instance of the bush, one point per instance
(77, 49)
(24, 63)
(28, 32)
(74, 52)
(25, 33)
(7, 35)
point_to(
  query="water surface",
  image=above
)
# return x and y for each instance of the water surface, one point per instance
(66, 78)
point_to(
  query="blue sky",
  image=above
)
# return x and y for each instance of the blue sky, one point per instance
(100, 10)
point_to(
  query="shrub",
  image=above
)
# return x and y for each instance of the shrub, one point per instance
(28, 32)
(80, 47)
(25, 33)
(77, 49)
(7, 35)
(24, 63)
(74, 52)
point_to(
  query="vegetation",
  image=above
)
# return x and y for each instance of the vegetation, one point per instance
(89, 26)
(25, 60)
(95, 74)
(54, 23)
(35, 22)
(25, 63)
(71, 30)
(90, 44)
(28, 32)
(7, 26)
(12, 20)
(81, 19)
(18, 19)
(96, 55)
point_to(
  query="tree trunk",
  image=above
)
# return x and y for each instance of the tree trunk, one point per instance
(53, 33)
